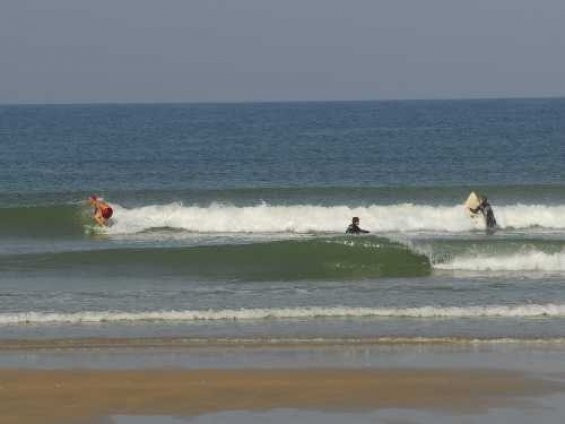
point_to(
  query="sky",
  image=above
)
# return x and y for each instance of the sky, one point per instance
(114, 51)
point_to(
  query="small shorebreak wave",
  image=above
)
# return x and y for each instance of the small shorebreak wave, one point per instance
(337, 312)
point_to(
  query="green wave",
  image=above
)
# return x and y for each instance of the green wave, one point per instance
(43, 221)
(329, 258)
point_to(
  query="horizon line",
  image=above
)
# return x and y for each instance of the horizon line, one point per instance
(243, 102)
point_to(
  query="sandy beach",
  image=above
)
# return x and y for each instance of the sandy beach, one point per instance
(60, 396)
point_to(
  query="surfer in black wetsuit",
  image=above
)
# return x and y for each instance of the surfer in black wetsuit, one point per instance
(486, 209)
(354, 227)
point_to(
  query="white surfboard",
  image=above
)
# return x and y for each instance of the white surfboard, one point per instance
(473, 202)
(95, 229)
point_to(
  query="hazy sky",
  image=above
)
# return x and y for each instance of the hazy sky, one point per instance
(60, 51)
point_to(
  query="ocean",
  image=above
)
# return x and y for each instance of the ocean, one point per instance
(229, 221)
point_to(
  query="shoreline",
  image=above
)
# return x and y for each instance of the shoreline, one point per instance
(78, 343)
(45, 396)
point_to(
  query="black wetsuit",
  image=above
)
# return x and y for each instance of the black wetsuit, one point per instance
(354, 229)
(487, 212)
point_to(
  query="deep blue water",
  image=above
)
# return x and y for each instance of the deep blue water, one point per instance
(217, 146)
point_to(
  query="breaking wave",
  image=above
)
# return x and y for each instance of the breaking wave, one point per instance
(64, 220)
(319, 219)
(533, 260)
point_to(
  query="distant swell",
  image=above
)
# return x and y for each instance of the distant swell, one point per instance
(489, 311)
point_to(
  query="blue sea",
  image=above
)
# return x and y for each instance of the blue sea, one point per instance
(229, 221)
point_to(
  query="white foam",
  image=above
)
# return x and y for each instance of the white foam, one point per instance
(505, 311)
(526, 216)
(532, 260)
(264, 218)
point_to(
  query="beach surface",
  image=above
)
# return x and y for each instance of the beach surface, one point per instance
(61, 396)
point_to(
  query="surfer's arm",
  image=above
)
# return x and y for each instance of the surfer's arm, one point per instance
(354, 229)
(99, 219)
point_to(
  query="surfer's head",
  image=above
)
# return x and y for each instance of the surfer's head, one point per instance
(355, 220)
(92, 199)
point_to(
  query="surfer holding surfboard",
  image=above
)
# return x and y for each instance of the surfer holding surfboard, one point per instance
(479, 204)
(102, 210)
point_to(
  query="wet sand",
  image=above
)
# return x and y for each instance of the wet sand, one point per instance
(193, 342)
(89, 343)
(75, 396)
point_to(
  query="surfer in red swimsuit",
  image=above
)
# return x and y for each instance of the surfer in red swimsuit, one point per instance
(102, 210)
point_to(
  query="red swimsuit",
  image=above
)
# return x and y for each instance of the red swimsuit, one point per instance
(107, 212)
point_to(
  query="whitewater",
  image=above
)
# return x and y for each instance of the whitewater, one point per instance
(528, 261)
(265, 218)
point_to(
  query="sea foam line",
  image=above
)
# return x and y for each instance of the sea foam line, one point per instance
(503, 311)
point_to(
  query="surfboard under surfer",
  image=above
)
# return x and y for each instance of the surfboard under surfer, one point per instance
(102, 210)
(354, 227)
